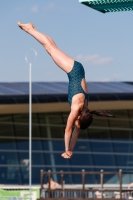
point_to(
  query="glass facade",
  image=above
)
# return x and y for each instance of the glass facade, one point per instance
(107, 145)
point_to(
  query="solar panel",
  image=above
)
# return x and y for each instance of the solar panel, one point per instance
(6, 88)
(42, 88)
(109, 87)
(18, 87)
(48, 87)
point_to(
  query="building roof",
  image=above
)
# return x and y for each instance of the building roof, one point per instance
(42, 92)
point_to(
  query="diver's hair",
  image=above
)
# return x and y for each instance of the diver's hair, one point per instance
(86, 117)
(102, 113)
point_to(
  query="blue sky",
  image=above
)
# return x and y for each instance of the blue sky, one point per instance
(102, 42)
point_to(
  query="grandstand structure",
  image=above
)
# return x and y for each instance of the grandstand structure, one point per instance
(106, 145)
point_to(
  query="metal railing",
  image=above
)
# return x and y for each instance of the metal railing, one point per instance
(84, 192)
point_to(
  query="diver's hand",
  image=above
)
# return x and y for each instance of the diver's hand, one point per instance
(67, 154)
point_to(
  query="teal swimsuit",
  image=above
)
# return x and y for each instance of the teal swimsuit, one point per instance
(75, 77)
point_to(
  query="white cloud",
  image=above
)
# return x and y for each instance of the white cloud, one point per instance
(51, 72)
(34, 9)
(117, 76)
(102, 80)
(105, 80)
(50, 6)
(94, 59)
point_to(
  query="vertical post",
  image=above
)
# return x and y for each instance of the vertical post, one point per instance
(101, 181)
(50, 145)
(120, 180)
(30, 129)
(49, 185)
(83, 184)
(41, 178)
(62, 186)
(30, 118)
(41, 182)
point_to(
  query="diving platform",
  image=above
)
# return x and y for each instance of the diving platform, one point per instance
(105, 6)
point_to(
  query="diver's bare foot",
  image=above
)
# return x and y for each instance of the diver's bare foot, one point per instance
(26, 27)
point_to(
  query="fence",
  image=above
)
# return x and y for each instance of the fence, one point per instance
(83, 192)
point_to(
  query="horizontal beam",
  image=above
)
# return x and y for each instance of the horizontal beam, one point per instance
(64, 107)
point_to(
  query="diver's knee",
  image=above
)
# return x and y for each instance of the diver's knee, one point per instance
(48, 49)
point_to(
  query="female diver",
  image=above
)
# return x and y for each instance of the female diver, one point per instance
(80, 116)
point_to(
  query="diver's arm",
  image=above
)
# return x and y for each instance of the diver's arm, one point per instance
(68, 131)
(74, 138)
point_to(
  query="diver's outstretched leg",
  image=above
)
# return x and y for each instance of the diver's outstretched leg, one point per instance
(62, 60)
